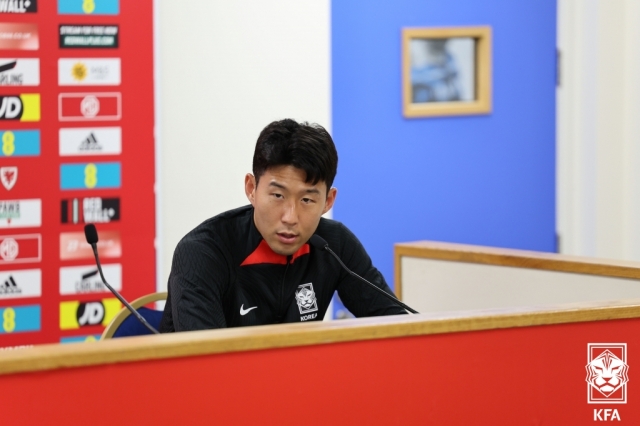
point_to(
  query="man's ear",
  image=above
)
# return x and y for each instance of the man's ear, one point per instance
(331, 198)
(250, 188)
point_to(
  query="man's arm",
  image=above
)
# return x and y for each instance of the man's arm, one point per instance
(357, 296)
(198, 279)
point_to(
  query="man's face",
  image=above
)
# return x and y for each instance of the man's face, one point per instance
(287, 209)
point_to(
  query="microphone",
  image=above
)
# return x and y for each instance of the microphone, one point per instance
(318, 242)
(91, 234)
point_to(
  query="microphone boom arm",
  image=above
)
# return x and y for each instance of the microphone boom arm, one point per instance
(124, 302)
(378, 289)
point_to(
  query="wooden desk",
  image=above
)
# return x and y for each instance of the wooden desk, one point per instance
(438, 277)
(517, 366)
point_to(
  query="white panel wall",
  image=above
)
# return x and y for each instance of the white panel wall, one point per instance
(225, 70)
(430, 285)
(598, 128)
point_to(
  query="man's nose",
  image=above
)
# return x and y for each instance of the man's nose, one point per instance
(290, 214)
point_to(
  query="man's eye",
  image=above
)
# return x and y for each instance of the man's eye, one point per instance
(277, 195)
(307, 200)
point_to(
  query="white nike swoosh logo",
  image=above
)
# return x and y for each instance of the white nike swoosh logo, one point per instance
(246, 311)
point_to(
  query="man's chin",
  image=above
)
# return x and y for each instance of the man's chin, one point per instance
(284, 249)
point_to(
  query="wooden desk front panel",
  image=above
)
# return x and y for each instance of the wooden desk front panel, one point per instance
(527, 375)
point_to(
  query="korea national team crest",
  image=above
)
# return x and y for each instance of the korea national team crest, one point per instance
(607, 373)
(306, 298)
(8, 176)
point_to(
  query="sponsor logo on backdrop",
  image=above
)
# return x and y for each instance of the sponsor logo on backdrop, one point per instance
(73, 245)
(89, 106)
(20, 284)
(80, 339)
(20, 248)
(20, 213)
(9, 287)
(90, 144)
(19, 72)
(20, 143)
(88, 7)
(75, 314)
(20, 108)
(306, 299)
(607, 373)
(8, 177)
(90, 176)
(102, 36)
(18, 6)
(90, 210)
(89, 72)
(19, 36)
(86, 279)
(90, 141)
(17, 319)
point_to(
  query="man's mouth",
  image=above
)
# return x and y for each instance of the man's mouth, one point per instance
(286, 237)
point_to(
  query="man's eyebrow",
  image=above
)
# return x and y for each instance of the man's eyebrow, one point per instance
(307, 191)
(277, 185)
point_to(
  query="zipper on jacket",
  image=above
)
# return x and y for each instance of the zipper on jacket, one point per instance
(284, 276)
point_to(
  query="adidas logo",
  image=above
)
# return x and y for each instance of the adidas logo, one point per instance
(10, 287)
(90, 144)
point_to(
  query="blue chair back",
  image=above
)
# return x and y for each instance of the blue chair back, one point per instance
(132, 327)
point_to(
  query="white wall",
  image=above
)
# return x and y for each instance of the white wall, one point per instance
(225, 70)
(598, 128)
(433, 285)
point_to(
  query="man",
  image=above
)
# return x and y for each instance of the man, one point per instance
(253, 265)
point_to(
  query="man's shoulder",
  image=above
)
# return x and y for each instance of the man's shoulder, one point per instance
(334, 232)
(220, 228)
(240, 215)
(330, 225)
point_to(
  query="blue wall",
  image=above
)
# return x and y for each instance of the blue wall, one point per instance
(486, 180)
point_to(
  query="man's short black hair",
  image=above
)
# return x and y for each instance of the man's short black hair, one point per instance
(308, 147)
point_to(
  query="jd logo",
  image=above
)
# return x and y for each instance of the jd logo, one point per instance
(90, 313)
(10, 108)
(75, 314)
(24, 107)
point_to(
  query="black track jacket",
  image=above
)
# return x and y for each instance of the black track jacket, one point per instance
(224, 274)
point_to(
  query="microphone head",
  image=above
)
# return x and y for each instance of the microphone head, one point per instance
(318, 242)
(91, 234)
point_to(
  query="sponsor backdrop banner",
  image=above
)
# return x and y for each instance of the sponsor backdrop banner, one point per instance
(76, 147)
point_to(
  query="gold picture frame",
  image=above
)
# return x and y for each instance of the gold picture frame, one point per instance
(430, 77)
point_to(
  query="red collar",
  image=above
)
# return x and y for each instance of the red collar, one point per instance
(264, 254)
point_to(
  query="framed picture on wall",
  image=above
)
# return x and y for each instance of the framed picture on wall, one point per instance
(446, 71)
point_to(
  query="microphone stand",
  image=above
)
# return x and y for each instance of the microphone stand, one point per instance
(320, 243)
(124, 302)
